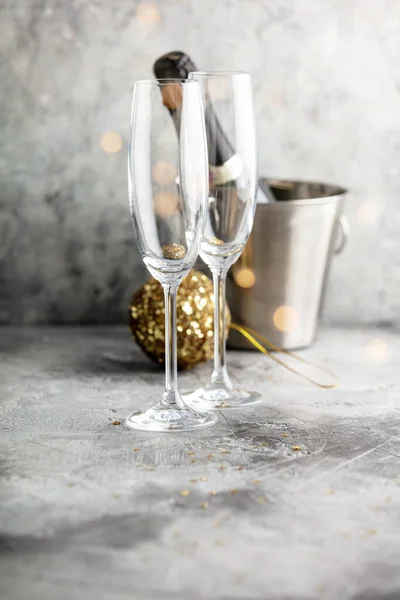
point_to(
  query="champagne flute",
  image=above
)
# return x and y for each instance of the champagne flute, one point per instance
(168, 194)
(231, 139)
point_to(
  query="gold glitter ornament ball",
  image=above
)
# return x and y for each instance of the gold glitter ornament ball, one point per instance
(195, 320)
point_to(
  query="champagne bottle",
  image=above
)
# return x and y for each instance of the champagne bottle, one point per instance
(225, 165)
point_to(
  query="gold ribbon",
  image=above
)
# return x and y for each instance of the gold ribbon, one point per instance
(251, 336)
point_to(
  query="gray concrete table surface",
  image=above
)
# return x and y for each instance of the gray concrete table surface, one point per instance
(297, 499)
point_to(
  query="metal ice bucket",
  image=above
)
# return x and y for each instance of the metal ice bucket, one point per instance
(277, 286)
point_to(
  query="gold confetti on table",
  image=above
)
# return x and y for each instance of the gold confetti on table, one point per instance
(116, 423)
(193, 481)
(193, 460)
(257, 481)
(203, 478)
(261, 500)
(221, 467)
(136, 449)
(239, 468)
(211, 456)
(234, 491)
(296, 448)
(284, 434)
(185, 493)
(191, 452)
(204, 505)
(224, 451)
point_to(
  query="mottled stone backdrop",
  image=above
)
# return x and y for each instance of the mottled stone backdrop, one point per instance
(326, 76)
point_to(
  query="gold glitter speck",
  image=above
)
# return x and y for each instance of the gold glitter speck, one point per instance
(185, 493)
(204, 505)
(187, 308)
(176, 534)
(296, 448)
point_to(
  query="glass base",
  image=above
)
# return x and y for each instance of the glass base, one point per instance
(221, 398)
(170, 418)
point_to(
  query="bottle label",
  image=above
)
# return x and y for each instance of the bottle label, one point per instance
(229, 171)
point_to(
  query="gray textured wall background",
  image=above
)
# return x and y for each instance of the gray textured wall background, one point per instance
(327, 90)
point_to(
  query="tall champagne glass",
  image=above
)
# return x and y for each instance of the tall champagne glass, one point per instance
(168, 194)
(231, 139)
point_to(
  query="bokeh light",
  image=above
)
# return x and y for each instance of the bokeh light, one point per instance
(367, 213)
(111, 142)
(218, 88)
(377, 350)
(148, 14)
(164, 172)
(166, 203)
(245, 277)
(286, 318)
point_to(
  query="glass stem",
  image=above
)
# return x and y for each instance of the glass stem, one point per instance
(219, 279)
(171, 395)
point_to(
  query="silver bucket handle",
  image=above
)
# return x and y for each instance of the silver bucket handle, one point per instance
(343, 233)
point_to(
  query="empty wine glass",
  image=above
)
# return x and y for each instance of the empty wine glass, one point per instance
(231, 139)
(168, 194)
